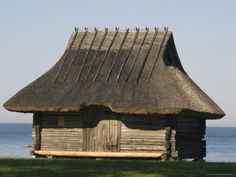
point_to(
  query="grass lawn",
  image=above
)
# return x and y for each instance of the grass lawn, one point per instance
(90, 167)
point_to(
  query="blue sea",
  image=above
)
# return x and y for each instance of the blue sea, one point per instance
(15, 139)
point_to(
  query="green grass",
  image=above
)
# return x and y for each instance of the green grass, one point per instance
(104, 168)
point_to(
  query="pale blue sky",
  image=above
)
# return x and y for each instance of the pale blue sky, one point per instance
(33, 35)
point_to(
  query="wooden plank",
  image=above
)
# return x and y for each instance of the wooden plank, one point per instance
(102, 130)
(141, 140)
(143, 147)
(139, 129)
(98, 154)
(187, 119)
(142, 127)
(62, 113)
(118, 135)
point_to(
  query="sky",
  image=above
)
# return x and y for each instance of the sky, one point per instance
(34, 34)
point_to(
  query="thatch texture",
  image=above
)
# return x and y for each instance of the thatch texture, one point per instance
(134, 72)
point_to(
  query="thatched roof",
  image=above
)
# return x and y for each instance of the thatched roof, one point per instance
(134, 72)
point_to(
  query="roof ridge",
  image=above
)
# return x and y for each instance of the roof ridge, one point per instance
(123, 30)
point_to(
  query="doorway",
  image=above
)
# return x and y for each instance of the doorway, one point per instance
(101, 131)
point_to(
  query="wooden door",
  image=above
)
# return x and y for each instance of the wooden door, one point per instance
(101, 131)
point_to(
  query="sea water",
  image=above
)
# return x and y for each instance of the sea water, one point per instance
(221, 144)
(15, 139)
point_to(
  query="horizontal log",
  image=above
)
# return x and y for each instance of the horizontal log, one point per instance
(154, 141)
(191, 155)
(142, 147)
(142, 140)
(76, 148)
(144, 123)
(64, 144)
(142, 133)
(61, 145)
(71, 134)
(187, 119)
(66, 120)
(60, 129)
(142, 127)
(184, 134)
(98, 154)
(142, 117)
(61, 141)
(174, 154)
(58, 142)
(61, 148)
(61, 113)
(53, 136)
(192, 141)
(78, 142)
(67, 150)
(143, 150)
(125, 129)
(61, 132)
(61, 137)
(74, 118)
(127, 137)
(141, 144)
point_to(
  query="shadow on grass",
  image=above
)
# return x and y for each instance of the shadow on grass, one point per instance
(90, 167)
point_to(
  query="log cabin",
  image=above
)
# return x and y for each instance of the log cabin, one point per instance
(117, 94)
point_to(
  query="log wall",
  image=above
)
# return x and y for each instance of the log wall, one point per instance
(190, 138)
(174, 137)
(62, 132)
(36, 132)
(142, 134)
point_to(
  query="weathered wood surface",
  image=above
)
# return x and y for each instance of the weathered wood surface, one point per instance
(190, 142)
(36, 132)
(70, 121)
(38, 137)
(98, 154)
(101, 131)
(67, 139)
(168, 130)
(142, 134)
